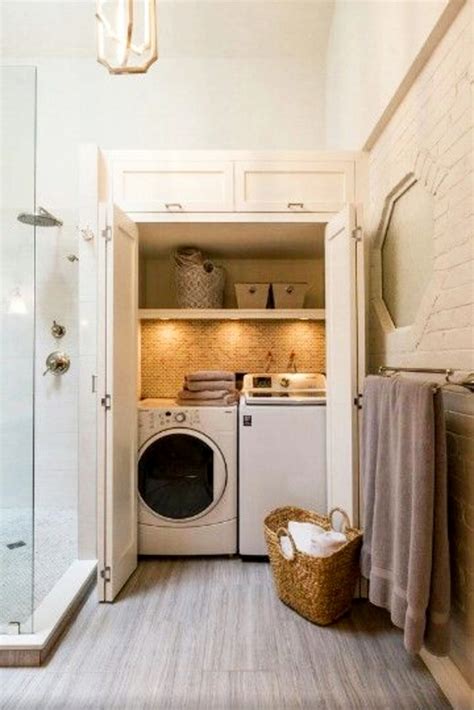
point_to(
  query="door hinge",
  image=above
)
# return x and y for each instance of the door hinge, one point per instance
(357, 234)
(107, 233)
(358, 401)
(106, 401)
(106, 574)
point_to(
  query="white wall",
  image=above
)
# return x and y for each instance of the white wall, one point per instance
(370, 48)
(230, 75)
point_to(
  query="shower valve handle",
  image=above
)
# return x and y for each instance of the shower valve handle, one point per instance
(57, 363)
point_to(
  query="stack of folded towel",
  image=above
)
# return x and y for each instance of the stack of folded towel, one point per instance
(215, 387)
(311, 539)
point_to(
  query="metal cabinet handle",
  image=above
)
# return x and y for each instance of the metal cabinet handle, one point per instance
(57, 363)
(170, 205)
(295, 204)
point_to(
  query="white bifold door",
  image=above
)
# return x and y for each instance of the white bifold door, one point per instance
(345, 358)
(117, 389)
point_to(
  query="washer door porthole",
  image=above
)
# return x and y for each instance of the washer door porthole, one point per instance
(181, 475)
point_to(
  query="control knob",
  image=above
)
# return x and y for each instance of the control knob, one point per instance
(180, 417)
(284, 382)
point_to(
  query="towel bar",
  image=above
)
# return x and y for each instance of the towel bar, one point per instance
(467, 383)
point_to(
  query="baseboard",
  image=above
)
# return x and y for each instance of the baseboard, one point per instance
(450, 680)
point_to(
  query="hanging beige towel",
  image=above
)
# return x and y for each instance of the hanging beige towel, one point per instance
(210, 375)
(405, 552)
(203, 385)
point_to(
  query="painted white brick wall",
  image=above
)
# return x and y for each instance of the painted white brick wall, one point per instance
(431, 134)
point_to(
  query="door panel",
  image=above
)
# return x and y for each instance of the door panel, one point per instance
(173, 186)
(282, 462)
(118, 411)
(293, 186)
(344, 347)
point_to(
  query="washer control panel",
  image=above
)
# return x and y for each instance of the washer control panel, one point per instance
(172, 417)
(151, 421)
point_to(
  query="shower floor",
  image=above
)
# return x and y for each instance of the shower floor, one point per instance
(55, 549)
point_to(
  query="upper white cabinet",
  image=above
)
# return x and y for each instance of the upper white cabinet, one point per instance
(270, 186)
(293, 186)
(173, 186)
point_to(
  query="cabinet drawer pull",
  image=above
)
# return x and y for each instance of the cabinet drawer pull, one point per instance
(295, 204)
(171, 205)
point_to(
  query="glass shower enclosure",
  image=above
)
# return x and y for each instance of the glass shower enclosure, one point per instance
(41, 570)
(17, 348)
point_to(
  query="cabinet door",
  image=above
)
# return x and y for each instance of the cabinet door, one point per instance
(117, 439)
(345, 357)
(173, 186)
(293, 186)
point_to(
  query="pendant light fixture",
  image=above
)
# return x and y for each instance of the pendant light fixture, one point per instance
(126, 35)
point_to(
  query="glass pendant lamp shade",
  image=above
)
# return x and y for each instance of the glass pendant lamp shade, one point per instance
(126, 35)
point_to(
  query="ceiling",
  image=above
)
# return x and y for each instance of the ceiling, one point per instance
(187, 28)
(236, 240)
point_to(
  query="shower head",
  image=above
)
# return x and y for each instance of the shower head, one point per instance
(41, 218)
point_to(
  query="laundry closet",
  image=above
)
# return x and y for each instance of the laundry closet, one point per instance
(265, 218)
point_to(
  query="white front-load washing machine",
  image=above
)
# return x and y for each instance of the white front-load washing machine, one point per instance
(187, 479)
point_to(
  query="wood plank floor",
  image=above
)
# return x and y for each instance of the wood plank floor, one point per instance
(210, 634)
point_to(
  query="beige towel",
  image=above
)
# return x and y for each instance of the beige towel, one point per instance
(210, 375)
(204, 394)
(226, 399)
(207, 385)
(405, 552)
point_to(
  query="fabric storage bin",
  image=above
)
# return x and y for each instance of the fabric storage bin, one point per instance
(199, 282)
(289, 295)
(252, 295)
(318, 588)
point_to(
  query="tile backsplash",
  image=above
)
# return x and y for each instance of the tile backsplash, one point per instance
(170, 349)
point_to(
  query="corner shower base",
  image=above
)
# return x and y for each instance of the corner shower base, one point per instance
(55, 548)
(52, 616)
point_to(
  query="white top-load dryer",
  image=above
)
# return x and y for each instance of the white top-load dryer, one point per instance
(187, 479)
(282, 431)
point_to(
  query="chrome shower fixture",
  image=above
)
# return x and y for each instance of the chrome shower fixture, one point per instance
(41, 218)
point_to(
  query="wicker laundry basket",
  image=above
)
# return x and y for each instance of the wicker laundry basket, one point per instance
(199, 282)
(318, 588)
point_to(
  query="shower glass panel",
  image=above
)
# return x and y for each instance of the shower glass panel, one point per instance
(17, 347)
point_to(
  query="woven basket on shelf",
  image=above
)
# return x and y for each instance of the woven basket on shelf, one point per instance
(199, 283)
(318, 588)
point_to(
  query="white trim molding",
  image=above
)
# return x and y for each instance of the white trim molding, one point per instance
(450, 680)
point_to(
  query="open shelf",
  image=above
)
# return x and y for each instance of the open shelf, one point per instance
(231, 314)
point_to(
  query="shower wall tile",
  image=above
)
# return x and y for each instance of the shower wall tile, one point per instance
(58, 490)
(170, 349)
